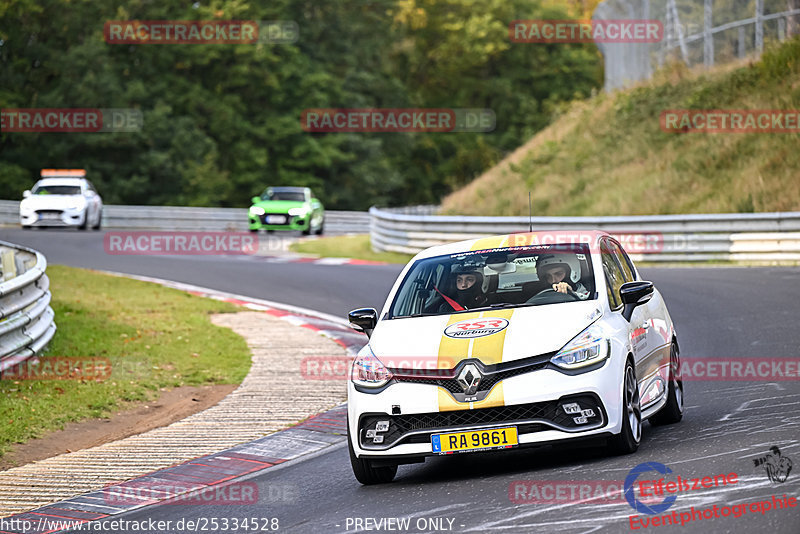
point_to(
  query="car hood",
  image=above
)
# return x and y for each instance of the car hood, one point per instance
(503, 336)
(38, 202)
(279, 206)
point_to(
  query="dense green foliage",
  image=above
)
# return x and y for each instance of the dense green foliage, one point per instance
(222, 121)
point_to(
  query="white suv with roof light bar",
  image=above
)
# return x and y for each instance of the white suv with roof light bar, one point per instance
(62, 198)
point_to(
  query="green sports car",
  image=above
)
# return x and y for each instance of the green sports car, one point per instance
(287, 208)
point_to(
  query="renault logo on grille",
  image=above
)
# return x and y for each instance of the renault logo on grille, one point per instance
(469, 378)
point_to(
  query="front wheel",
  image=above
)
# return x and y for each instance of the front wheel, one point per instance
(365, 472)
(627, 441)
(672, 412)
(99, 221)
(321, 227)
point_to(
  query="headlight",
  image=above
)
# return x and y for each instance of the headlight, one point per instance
(255, 210)
(297, 212)
(587, 348)
(368, 371)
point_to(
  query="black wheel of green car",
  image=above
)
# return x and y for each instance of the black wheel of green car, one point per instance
(254, 230)
(672, 412)
(321, 227)
(627, 441)
(365, 472)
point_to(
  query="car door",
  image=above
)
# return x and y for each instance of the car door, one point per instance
(648, 325)
(637, 329)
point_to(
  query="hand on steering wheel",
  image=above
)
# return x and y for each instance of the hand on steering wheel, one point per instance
(569, 293)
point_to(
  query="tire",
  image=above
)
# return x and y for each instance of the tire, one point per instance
(672, 412)
(85, 222)
(253, 230)
(321, 227)
(629, 438)
(26, 227)
(99, 221)
(363, 470)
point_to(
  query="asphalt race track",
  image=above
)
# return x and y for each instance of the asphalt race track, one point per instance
(718, 312)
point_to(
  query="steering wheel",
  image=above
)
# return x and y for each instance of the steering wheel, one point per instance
(569, 296)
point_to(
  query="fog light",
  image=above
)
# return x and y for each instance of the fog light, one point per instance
(580, 420)
(587, 413)
(382, 426)
(572, 407)
(377, 439)
(370, 433)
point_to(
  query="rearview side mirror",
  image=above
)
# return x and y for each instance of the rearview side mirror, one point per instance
(26, 193)
(363, 320)
(635, 294)
(255, 200)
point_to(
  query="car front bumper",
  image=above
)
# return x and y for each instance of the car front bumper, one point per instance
(52, 217)
(531, 402)
(291, 222)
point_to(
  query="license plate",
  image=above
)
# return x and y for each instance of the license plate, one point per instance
(49, 216)
(276, 219)
(475, 440)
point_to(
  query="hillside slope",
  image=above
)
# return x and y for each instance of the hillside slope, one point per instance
(609, 155)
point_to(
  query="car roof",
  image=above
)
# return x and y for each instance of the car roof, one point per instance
(61, 181)
(287, 188)
(543, 237)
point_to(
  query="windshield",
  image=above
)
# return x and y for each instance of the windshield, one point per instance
(296, 196)
(497, 278)
(56, 190)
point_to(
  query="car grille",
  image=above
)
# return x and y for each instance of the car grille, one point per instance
(288, 218)
(488, 382)
(549, 414)
(49, 212)
(492, 374)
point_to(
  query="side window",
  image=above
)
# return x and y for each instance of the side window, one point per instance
(623, 260)
(614, 276)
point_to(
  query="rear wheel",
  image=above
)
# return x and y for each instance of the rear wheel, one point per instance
(365, 472)
(627, 441)
(672, 412)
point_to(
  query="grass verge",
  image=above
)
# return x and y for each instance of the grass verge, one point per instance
(351, 246)
(154, 337)
(609, 155)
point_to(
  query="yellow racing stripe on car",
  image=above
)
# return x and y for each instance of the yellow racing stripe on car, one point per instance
(489, 349)
(452, 350)
(448, 404)
(490, 242)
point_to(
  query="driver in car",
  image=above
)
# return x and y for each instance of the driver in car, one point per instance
(555, 270)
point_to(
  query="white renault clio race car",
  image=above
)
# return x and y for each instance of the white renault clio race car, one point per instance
(511, 341)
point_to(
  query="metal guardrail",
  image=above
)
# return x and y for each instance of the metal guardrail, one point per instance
(185, 218)
(670, 238)
(26, 318)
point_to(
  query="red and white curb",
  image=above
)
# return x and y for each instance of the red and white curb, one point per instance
(212, 471)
